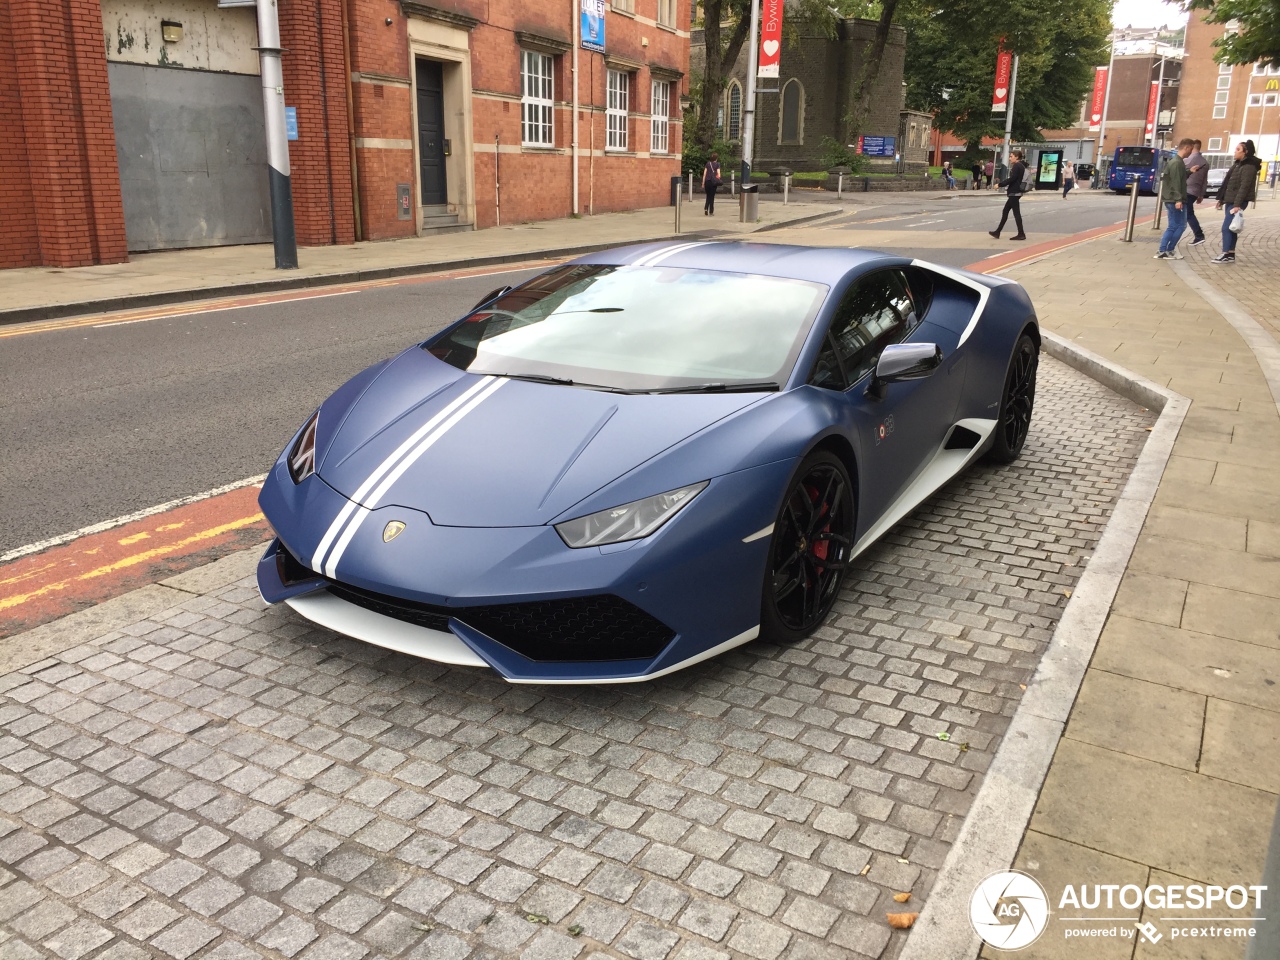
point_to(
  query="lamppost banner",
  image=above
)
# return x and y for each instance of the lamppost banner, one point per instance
(770, 38)
(1151, 108)
(1098, 103)
(1004, 68)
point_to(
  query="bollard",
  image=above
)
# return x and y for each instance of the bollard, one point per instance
(733, 184)
(840, 186)
(1156, 223)
(691, 188)
(679, 185)
(1133, 212)
(786, 188)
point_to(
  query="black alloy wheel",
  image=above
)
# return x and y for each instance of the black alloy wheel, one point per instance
(1018, 402)
(811, 549)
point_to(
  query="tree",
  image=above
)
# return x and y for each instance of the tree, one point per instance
(951, 61)
(1258, 38)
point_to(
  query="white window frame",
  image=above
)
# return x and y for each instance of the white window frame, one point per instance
(1222, 96)
(1268, 99)
(660, 116)
(537, 99)
(624, 6)
(1225, 68)
(1219, 113)
(1215, 144)
(1224, 83)
(667, 13)
(1255, 99)
(617, 104)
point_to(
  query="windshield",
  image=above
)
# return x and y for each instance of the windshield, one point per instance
(1136, 157)
(639, 328)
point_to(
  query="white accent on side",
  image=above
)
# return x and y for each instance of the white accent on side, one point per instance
(759, 534)
(745, 637)
(317, 559)
(331, 565)
(346, 618)
(983, 292)
(944, 465)
(657, 256)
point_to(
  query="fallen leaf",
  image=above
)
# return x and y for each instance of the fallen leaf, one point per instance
(865, 870)
(1023, 686)
(424, 927)
(537, 918)
(1066, 593)
(575, 930)
(903, 860)
(964, 747)
(901, 921)
(944, 736)
(902, 897)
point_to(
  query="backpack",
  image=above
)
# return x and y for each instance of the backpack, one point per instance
(1028, 180)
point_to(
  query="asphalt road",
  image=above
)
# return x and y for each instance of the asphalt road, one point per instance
(99, 422)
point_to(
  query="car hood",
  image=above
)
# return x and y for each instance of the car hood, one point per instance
(475, 451)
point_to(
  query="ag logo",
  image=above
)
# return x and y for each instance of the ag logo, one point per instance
(1009, 910)
(392, 530)
(884, 430)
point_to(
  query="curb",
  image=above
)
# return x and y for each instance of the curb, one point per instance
(996, 823)
(160, 298)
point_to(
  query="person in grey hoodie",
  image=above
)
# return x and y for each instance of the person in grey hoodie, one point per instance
(1238, 188)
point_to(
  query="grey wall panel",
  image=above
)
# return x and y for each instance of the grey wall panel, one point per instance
(193, 157)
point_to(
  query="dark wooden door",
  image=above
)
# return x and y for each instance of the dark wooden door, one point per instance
(431, 132)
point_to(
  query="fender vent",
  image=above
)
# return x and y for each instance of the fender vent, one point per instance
(962, 438)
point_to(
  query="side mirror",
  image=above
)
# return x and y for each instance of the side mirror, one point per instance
(904, 361)
(491, 295)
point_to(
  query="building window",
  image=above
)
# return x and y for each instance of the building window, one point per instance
(1215, 144)
(734, 111)
(660, 110)
(1219, 113)
(791, 129)
(537, 108)
(624, 6)
(1255, 100)
(1224, 83)
(616, 112)
(1269, 100)
(667, 13)
(1225, 68)
(1222, 96)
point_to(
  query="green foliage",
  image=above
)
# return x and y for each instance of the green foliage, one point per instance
(951, 61)
(695, 156)
(1257, 40)
(836, 154)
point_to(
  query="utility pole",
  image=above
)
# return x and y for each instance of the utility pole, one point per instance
(282, 232)
(1008, 116)
(576, 15)
(749, 108)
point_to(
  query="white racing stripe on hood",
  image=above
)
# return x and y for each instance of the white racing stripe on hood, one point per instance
(335, 528)
(657, 256)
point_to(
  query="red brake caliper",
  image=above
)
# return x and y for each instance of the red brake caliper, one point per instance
(820, 548)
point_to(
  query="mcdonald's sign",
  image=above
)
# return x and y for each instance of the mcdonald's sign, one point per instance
(1273, 84)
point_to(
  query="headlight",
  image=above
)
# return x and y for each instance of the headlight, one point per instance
(631, 521)
(302, 458)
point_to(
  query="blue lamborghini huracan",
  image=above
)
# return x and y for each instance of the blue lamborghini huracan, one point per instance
(645, 457)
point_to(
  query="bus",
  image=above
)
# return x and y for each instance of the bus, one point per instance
(1136, 163)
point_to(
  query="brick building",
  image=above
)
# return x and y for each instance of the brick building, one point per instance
(138, 123)
(1223, 104)
(812, 97)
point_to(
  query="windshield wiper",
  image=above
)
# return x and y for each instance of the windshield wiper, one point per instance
(534, 377)
(758, 386)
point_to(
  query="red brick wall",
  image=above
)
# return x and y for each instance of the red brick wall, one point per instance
(72, 201)
(315, 81)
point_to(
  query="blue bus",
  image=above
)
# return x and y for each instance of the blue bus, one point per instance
(1136, 163)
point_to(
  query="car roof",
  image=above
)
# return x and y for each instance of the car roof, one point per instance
(821, 264)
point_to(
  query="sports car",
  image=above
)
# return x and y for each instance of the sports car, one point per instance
(645, 457)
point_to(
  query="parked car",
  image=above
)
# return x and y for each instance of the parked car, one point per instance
(645, 457)
(1216, 176)
(1085, 171)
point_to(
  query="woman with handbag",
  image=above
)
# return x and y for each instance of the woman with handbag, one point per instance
(1016, 184)
(710, 181)
(1239, 187)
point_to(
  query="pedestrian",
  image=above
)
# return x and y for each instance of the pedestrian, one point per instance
(1238, 188)
(1173, 191)
(989, 172)
(1015, 184)
(977, 174)
(946, 172)
(1068, 178)
(710, 181)
(1197, 187)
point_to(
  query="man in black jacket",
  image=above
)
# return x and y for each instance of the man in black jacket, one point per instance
(1014, 193)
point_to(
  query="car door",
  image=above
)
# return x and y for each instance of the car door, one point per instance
(901, 427)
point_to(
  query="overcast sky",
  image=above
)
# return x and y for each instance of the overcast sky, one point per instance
(1146, 13)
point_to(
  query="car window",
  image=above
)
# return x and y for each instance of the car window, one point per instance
(876, 311)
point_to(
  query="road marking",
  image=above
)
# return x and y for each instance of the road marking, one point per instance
(924, 223)
(127, 518)
(221, 304)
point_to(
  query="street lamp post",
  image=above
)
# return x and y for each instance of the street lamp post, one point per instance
(749, 108)
(285, 240)
(1106, 102)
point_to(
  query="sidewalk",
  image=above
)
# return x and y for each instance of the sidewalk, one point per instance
(42, 293)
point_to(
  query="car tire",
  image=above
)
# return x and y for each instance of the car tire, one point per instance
(810, 550)
(1017, 403)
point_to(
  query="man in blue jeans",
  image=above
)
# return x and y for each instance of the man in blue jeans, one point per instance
(1173, 191)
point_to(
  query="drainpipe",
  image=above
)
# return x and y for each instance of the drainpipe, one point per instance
(577, 25)
(351, 122)
(283, 235)
(497, 181)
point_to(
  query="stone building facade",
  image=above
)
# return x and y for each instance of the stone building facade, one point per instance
(813, 97)
(137, 124)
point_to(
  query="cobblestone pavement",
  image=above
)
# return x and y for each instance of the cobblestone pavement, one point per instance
(225, 781)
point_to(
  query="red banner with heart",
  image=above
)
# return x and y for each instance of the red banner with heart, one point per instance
(1004, 69)
(1151, 107)
(1099, 101)
(770, 38)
